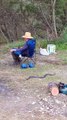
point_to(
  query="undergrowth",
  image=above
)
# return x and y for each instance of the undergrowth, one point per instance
(61, 43)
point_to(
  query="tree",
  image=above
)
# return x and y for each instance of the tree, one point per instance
(53, 3)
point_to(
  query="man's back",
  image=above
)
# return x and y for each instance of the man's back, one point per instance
(31, 47)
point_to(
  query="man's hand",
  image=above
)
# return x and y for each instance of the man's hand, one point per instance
(20, 56)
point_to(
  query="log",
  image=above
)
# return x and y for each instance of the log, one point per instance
(53, 88)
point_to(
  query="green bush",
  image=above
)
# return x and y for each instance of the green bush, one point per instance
(31, 8)
(61, 42)
(43, 43)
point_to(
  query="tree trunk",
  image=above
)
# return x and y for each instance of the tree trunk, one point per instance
(54, 17)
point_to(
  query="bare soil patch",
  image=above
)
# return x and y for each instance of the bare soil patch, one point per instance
(30, 100)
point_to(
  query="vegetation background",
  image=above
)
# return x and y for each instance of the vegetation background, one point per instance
(45, 19)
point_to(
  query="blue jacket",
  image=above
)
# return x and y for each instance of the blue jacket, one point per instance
(28, 48)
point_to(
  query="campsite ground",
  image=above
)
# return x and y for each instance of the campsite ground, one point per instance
(22, 99)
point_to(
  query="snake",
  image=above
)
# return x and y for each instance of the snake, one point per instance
(41, 77)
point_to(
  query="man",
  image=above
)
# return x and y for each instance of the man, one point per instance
(26, 50)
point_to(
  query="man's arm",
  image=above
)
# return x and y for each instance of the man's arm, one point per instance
(25, 47)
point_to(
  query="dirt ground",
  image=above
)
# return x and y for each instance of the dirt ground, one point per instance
(22, 99)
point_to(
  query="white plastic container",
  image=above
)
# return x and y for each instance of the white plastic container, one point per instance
(43, 51)
(51, 48)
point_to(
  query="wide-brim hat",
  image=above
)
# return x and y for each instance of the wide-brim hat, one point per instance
(27, 35)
